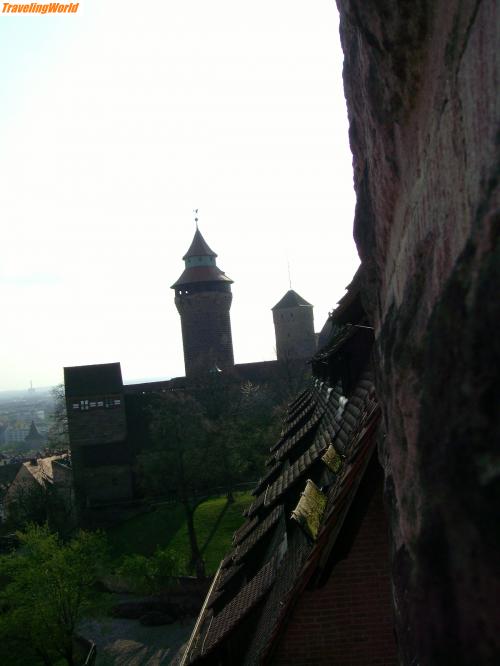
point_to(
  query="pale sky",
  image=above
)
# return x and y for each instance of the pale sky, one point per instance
(115, 123)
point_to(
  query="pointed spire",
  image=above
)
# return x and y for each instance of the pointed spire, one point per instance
(200, 263)
(199, 246)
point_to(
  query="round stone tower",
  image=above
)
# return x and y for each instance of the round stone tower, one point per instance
(203, 299)
(294, 327)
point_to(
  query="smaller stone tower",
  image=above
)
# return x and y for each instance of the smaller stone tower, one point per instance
(294, 327)
(203, 299)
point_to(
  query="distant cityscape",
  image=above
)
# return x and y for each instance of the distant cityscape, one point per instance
(26, 418)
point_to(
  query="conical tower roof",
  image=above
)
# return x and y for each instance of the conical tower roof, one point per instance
(199, 247)
(200, 264)
(291, 300)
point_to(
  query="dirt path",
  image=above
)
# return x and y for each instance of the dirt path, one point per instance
(128, 643)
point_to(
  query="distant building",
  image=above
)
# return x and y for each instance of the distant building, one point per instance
(16, 434)
(203, 298)
(294, 327)
(22, 482)
(33, 440)
(98, 434)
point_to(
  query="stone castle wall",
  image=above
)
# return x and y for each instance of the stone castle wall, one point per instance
(422, 88)
(294, 330)
(206, 330)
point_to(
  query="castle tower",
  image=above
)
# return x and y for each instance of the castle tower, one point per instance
(97, 424)
(294, 327)
(203, 298)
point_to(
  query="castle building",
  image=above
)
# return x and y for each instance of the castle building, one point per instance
(102, 463)
(203, 299)
(294, 327)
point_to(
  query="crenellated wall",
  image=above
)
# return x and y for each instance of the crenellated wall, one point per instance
(422, 83)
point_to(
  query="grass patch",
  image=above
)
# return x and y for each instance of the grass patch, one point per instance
(165, 526)
(215, 522)
(146, 532)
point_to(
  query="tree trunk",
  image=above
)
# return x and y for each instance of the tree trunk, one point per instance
(197, 562)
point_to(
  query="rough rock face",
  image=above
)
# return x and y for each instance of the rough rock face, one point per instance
(422, 82)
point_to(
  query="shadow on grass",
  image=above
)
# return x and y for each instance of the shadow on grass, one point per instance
(215, 527)
(143, 534)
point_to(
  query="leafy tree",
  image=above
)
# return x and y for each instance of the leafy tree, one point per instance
(242, 422)
(148, 575)
(39, 502)
(50, 587)
(180, 458)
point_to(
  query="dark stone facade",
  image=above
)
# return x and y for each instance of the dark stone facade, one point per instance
(102, 464)
(206, 330)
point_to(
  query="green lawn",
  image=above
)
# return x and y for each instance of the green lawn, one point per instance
(165, 526)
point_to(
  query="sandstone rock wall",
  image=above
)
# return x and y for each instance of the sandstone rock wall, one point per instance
(422, 83)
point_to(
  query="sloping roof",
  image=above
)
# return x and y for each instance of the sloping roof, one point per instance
(33, 435)
(199, 247)
(41, 469)
(327, 441)
(7, 475)
(196, 274)
(291, 300)
(99, 379)
(222, 623)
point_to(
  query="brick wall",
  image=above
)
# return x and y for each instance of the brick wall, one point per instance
(348, 621)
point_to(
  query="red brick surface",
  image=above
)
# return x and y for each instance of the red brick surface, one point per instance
(348, 621)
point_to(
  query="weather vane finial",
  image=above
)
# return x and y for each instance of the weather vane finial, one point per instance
(195, 211)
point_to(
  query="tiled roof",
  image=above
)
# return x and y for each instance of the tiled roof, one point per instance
(194, 274)
(242, 604)
(304, 395)
(291, 475)
(256, 504)
(301, 416)
(256, 535)
(265, 480)
(290, 443)
(245, 529)
(199, 247)
(291, 300)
